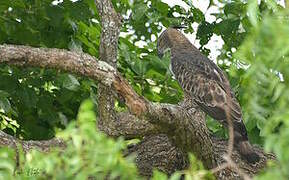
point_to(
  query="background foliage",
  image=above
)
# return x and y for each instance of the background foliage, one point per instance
(37, 103)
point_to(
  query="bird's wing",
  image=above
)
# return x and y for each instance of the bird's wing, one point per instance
(214, 101)
(196, 63)
(208, 87)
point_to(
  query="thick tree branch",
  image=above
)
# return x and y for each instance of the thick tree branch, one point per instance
(78, 63)
(110, 23)
(130, 126)
(189, 128)
(44, 146)
(84, 65)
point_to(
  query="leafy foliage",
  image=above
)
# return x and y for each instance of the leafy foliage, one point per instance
(37, 103)
(87, 149)
(88, 154)
(265, 84)
(41, 100)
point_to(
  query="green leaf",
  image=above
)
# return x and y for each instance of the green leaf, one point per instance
(253, 12)
(5, 105)
(7, 164)
(157, 175)
(235, 8)
(205, 32)
(198, 15)
(69, 82)
(162, 7)
(139, 11)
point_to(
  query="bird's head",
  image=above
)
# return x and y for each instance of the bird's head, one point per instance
(171, 38)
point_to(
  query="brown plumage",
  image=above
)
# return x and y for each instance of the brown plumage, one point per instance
(207, 85)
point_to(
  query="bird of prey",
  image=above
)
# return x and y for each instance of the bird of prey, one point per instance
(203, 81)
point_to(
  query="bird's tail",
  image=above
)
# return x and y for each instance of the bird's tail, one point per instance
(242, 143)
(247, 152)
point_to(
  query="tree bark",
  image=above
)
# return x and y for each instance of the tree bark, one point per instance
(110, 24)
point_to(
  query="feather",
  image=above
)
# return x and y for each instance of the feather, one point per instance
(206, 84)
